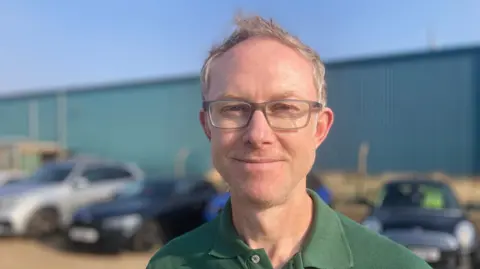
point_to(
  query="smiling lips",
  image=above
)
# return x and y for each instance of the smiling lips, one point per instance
(257, 160)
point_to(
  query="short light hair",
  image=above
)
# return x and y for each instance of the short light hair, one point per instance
(256, 26)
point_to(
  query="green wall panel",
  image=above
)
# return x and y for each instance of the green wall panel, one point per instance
(149, 124)
(14, 117)
(416, 113)
(47, 116)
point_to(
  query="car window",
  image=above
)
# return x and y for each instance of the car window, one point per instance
(146, 188)
(419, 195)
(183, 187)
(433, 199)
(160, 189)
(119, 172)
(105, 173)
(52, 173)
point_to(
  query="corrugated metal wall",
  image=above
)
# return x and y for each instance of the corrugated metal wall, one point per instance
(13, 117)
(34, 117)
(149, 123)
(418, 113)
(476, 83)
(47, 118)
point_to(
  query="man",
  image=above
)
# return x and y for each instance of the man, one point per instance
(264, 113)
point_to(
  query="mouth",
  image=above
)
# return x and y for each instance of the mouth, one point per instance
(257, 161)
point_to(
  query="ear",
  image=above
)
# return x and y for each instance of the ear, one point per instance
(202, 115)
(324, 123)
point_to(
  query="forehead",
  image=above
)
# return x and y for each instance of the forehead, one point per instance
(260, 69)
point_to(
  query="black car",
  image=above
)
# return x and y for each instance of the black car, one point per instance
(142, 215)
(425, 216)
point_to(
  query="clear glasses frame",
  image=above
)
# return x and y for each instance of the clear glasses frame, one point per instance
(312, 105)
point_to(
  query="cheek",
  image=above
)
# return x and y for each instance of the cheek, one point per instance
(222, 142)
(223, 138)
(300, 146)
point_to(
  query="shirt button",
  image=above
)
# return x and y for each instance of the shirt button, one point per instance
(255, 258)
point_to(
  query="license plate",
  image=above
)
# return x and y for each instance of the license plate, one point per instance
(427, 254)
(85, 235)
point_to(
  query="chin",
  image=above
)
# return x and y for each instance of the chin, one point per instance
(262, 190)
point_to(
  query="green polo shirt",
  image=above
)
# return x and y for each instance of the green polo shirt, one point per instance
(334, 242)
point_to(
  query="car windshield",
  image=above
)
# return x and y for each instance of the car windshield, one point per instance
(417, 195)
(145, 187)
(52, 173)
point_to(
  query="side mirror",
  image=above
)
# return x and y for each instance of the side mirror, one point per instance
(79, 182)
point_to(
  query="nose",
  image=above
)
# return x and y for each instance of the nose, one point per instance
(258, 132)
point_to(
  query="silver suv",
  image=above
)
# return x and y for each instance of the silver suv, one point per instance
(45, 202)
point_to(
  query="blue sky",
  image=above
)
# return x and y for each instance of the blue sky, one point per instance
(58, 43)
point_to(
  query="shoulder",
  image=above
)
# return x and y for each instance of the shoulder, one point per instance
(371, 250)
(193, 245)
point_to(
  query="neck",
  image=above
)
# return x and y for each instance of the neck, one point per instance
(279, 230)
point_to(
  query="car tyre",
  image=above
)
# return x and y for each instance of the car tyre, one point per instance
(149, 235)
(43, 222)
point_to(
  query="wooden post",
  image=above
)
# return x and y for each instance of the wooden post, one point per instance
(362, 169)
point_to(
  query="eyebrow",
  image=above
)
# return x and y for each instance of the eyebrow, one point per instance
(286, 95)
(279, 96)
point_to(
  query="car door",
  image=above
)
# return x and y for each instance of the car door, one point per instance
(103, 181)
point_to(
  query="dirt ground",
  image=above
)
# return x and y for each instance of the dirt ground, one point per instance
(25, 254)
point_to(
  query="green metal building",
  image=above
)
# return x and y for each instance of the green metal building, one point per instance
(154, 123)
(417, 112)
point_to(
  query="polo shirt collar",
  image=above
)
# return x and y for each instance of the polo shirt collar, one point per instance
(228, 243)
(326, 246)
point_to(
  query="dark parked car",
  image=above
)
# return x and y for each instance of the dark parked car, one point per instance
(425, 216)
(142, 215)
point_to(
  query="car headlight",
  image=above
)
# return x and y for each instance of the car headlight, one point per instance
(373, 224)
(465, 234)
(126, 222)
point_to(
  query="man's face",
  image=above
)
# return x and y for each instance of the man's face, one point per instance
(261, 164)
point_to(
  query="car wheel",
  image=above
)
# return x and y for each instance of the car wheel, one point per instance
(43, 222)
(149, 235)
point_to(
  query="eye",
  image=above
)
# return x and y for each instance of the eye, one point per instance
(285, 107)
(234, 108)
(282, 106)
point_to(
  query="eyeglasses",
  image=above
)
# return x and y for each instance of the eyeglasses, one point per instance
(280, 114)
